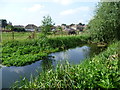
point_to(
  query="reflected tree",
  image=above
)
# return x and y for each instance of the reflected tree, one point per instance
(47, 64)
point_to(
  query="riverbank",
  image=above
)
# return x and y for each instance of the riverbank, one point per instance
(24, 52)
(101, 71)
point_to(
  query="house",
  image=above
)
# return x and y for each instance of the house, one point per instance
(80, 27)
(10, 23)
(53, 28)
(31, 27)
(18, 26)
(64, 26)
(73, 26)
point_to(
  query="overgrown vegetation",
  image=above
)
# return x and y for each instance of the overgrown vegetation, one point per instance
(18, 53)
(105, 26)
(101, 71)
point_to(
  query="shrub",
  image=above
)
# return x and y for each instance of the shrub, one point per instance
(105, 24)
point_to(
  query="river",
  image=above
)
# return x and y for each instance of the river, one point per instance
(8, 75)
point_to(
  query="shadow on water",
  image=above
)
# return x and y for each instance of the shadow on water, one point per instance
(47, 64)
(74, 56)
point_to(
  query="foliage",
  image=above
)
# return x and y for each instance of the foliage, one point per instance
(3, 23)
(101, 71)
(65, 42)
(47, 23)
(19, 29)
(18, 53)
(106, 24)
(9, 27)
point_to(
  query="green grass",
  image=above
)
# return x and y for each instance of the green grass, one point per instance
(23, 36)
(22, 52)
(101, 71)
(7, 36)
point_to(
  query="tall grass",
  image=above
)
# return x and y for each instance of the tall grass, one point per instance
(101, 71)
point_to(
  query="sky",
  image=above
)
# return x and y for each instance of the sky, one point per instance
(23, 12)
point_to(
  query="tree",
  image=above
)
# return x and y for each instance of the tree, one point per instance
(3, 23)
(11, 28)
(80, 24)
(47, 23)
(64, 25)
(106, 24)
(16, 29)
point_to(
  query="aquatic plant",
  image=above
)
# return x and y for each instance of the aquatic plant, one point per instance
(19, 53)
(101, 71)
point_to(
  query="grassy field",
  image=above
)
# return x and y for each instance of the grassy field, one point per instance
(23, 36)
(101, 71)
(7, 36)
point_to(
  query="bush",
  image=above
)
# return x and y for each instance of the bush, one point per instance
(105, 25)
(19, 29)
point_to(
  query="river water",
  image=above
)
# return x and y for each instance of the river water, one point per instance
(8, 75)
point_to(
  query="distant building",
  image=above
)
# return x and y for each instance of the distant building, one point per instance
(10, 23)
(3, 23)
(18, 26)
(63, 26)
(73, 26)
(81, 27)
(31, 27)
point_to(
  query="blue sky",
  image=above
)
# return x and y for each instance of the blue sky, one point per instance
(23, 12)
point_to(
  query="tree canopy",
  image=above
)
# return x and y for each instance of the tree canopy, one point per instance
(47, 23)
(105, 26)
(9, 27)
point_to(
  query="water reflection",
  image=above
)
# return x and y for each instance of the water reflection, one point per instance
(94, 50)
(47, 64)
(11, 74)
(74, 56)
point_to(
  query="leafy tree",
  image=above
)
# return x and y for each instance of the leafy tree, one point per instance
(106, 24)
(47, 23)
(10, 27)
(16, 29)
(80, 24)
(3, 23)
(64, 24)
(72, 24)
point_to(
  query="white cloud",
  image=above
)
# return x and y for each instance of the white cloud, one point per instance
(81, 20)
(67, 12)
(17, 70)
(63, 2)
(74, 11)
(34, 8)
